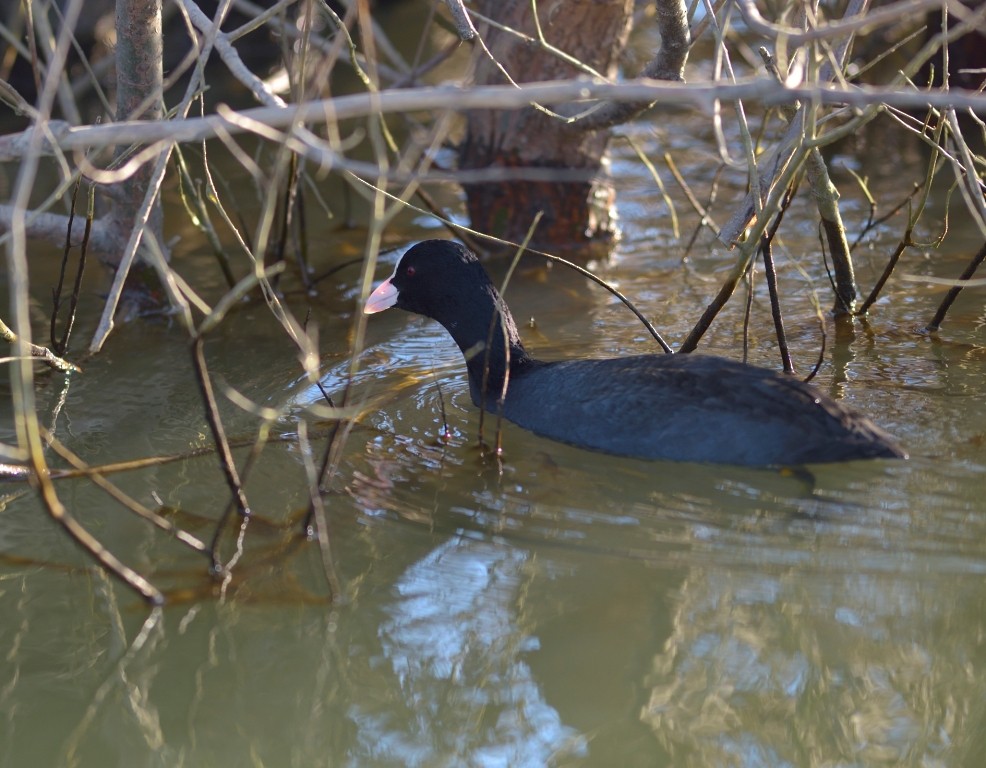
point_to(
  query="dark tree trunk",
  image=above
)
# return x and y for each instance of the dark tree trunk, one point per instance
(575, 210)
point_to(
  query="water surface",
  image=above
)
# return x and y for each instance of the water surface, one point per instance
(555, 607)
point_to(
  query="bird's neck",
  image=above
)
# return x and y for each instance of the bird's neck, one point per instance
(493, 353)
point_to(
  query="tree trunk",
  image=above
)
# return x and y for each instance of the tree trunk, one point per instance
(575, 209)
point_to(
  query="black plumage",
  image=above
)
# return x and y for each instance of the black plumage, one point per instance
(694, 408)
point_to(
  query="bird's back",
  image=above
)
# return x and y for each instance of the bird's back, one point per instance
(690, 408)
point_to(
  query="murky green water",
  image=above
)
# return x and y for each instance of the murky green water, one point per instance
(561, 607)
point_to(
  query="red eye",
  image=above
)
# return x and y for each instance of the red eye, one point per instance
(410, 271)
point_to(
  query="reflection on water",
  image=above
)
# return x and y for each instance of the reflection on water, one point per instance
(785, 671)
(455, 644)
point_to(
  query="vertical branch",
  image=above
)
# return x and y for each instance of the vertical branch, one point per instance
(61, 344)
(316, 515)
(139, 52)
(775, 303)
(953, 293)
(139, 95)
(147, 213)
(222, 444)
(825, 192)
(668, 64)
(827, 199)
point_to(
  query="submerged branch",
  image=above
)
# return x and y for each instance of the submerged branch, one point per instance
(43, 354)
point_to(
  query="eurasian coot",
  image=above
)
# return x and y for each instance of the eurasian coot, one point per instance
(675, 407)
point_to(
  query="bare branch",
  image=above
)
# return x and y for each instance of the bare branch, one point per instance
(933, 99)
(460, 16)
(850, 25)
(14, 146)
(229, 55)
(41, 353)
(668, 64)
(698, 95)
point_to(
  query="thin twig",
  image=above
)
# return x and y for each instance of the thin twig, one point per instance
(499, 321)
(318, 511)
(60, 345)
(775, 305)
(953, 293)
(701, 210)
(222, 444)
(124, 499)
(915, 216)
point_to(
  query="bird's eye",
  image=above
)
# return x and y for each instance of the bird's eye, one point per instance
(410, 271)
